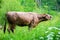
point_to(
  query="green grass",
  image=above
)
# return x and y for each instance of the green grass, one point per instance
(47, 30)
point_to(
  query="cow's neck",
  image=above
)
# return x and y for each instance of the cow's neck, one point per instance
(42, 19)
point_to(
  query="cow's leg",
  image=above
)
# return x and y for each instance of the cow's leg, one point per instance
(9, 28)
(12, 28)
(32, 26)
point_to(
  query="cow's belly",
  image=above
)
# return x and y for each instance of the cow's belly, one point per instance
(22, 22)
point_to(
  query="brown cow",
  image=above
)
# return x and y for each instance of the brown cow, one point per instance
(29, 19)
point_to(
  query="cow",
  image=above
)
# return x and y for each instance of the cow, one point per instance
(30, 19)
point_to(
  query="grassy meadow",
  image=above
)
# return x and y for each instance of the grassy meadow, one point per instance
(47, 30)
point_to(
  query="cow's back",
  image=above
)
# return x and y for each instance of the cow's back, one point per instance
(24, 17)
(19, 17)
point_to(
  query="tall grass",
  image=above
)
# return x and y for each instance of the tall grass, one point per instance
(47, 30)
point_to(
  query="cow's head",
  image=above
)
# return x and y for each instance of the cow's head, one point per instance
(44, 17)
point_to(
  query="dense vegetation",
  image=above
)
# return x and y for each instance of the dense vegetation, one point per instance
(49, 30)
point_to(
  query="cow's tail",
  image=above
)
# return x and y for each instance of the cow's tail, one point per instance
(4, 25)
